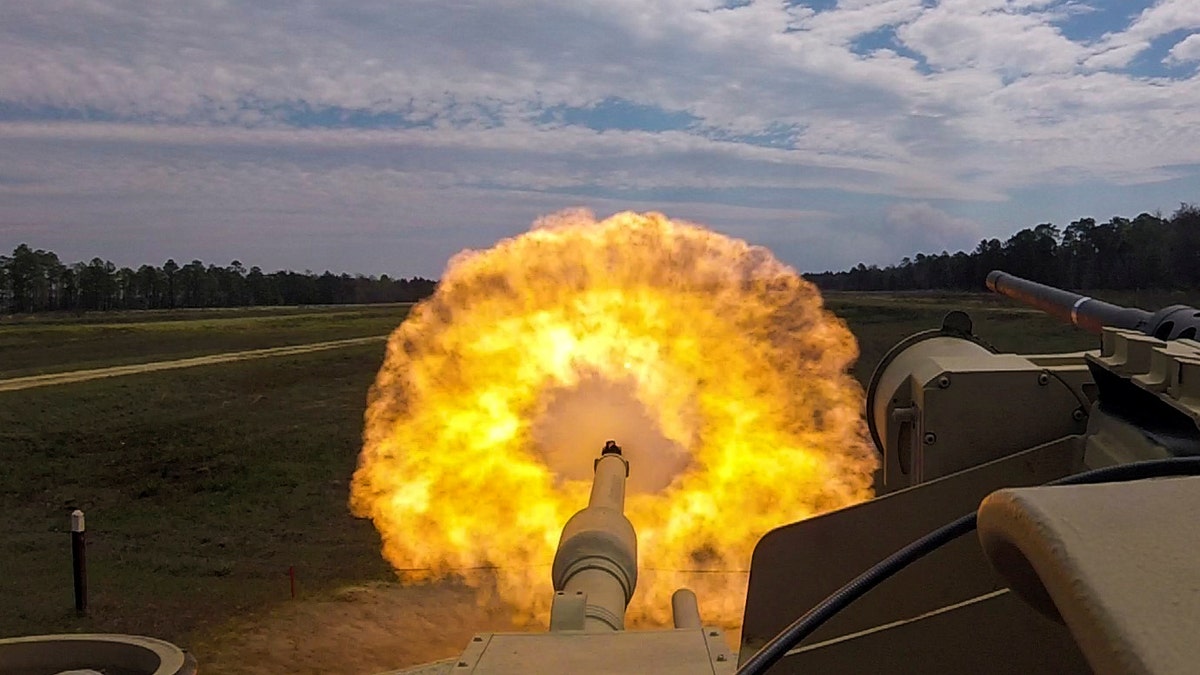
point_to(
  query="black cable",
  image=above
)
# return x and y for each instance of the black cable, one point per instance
(801, 628)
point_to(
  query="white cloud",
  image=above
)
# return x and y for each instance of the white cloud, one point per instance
(859, 17)
(1118, 48)
(560, 156)
(1186, 50)
(1164, 17)
(991, 37)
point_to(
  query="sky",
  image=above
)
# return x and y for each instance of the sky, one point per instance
(368, 136)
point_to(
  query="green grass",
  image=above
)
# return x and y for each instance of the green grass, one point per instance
(1148, 299)
(202, 486)
(32, 347)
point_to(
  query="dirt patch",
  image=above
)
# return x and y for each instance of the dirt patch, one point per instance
(360, 630)
(31, 381)
(355, 631)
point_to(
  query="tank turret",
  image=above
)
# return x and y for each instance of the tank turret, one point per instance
(1049, 584)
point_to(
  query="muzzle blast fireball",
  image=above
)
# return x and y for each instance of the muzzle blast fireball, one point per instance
(714, 362)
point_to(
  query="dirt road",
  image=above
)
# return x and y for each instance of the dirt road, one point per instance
(19, 383)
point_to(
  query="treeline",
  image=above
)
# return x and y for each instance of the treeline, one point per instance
(37, 281)
(1148, 252)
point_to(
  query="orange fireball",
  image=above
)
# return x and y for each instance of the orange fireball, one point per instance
(712, 363)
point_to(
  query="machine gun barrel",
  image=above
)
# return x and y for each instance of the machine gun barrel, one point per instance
(1087, 313)
(1169, 323)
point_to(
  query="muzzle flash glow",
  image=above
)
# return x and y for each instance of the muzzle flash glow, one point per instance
(713, 362)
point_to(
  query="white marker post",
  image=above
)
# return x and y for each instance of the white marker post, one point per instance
(79, 560)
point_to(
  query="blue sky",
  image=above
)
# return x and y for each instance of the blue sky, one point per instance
(382, 137)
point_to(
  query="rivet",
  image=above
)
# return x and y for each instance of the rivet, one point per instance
(930, 438)
(1078, 415)
(720, 657)
(476, 639)
(944, 382)
(1043, 379)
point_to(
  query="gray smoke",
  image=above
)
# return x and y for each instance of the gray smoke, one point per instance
(576, 422)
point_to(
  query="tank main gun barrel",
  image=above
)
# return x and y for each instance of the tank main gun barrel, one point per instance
(595, 566)
(1080, 310)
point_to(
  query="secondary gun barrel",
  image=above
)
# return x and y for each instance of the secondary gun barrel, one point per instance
(1087, 313)
(595, 566)
(1169, 323)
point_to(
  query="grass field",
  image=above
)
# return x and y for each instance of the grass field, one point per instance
(203, 486)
